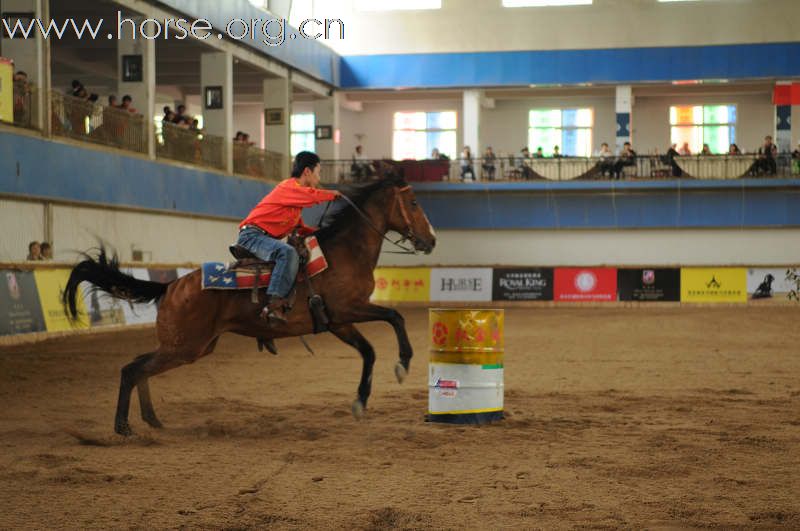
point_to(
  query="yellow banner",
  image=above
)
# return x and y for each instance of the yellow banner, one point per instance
(401, 284)
(50, 283)
(714, 284)
(6, 90)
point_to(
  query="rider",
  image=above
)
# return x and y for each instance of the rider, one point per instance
(274, 218)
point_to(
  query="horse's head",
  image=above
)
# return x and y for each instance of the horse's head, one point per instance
(406, 217)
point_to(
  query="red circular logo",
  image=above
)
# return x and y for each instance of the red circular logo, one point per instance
(439, 334)
(382, 283)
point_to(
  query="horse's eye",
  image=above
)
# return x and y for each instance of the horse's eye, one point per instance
(413, 202)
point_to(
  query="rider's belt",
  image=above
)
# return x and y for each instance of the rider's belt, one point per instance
(259, 229)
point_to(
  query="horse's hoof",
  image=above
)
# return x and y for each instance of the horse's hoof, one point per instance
(358, 409)
(154, 423)
(400, 372)
(123, 429)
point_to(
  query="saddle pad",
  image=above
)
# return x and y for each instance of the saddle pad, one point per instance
(217, 276)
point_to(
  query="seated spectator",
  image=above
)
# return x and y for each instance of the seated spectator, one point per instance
(556, 153)
(606, 164)
(539, 153)
(488, 163)
(467, 171)
(238, 138)
(523, 164)
(734, 150)
(766, 157)
(47, 251)
(180, 115)
(195, 126)
(626, 158)
(706, 150)
(685, 151)
(435, 154)
(669, 159)
(34, 251)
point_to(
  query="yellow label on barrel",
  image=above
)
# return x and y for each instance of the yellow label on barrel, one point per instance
(466, 330)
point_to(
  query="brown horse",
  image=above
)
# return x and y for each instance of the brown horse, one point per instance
(190, 320)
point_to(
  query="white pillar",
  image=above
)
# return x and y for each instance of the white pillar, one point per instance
(136, 75)
(624, 106)
(31, 55)
(326, 119)
(216, 73)
(471, 125)
(277, 117)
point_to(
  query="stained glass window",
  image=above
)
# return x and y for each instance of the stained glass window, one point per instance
(417, 134)
(569, 129)
(696, 125)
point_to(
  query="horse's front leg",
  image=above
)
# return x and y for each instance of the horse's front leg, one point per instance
(371, 312)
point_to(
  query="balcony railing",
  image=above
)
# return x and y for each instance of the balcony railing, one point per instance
(25, 105)
(259, 163)
(81, 119)
(570, 168)
(191, 146)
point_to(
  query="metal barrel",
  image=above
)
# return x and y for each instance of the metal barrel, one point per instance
(465, 376)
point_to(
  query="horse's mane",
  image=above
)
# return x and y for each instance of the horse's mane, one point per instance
(335, 222)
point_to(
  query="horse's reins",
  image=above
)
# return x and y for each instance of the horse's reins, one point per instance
(408, 236)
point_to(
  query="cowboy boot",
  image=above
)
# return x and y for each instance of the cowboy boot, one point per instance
(275, 310)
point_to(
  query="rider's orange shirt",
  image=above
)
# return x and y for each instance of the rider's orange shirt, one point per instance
(279, 212)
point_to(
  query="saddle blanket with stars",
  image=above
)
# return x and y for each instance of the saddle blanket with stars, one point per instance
(216, 275)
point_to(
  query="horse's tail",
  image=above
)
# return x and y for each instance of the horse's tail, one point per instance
(104, 273)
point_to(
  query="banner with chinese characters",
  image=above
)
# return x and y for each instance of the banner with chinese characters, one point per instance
(585, 284)
(522, 284)
(20, 310)
(713, 284)
(649, 284)
(400, 284)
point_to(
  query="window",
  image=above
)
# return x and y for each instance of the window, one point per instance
(714, 125)
(397, 5)
(569, 129)
(302, 126)
(416, 134)
(545, 3)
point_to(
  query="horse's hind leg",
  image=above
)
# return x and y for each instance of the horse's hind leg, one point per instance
(350, 335)
(136, 373)
(146, 404)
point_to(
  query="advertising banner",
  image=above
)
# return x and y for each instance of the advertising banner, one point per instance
(585, 284)
(20, 310)
(649, 284)
(770, 283)
(713, 284)
(50, 283)
(164, 276)
(139, 313)
(461, 284)
(401, 284)
(531, 284)
(102, 308)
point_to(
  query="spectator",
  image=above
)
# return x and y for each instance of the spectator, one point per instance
(556, 153)
(22, 99)
(685, 151)
(766, 157)
(467, 171)
(78, 90)
(435, 154)
(127, 104)
(488, 164)
(360, 167)
(626, 158)
(706, 150)
(606, 164)
(669, 158)
(112, 101)
(734, 150)
(238, 138)
(539, 153)
(46, 251)
(796, 159)
(245, 138)
(523, 165)
(34, 251)
(195, 125)
(180, 115)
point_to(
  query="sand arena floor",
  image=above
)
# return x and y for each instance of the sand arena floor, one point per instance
(655, 418)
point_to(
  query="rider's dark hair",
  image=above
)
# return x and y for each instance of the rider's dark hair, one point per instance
(303, 160)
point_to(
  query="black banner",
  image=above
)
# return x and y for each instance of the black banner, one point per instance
(531, 284)
(649, 284)
(20, 309)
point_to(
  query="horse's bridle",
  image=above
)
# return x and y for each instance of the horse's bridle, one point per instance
(408, 234)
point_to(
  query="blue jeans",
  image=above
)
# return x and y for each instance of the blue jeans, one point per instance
(269, 249)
